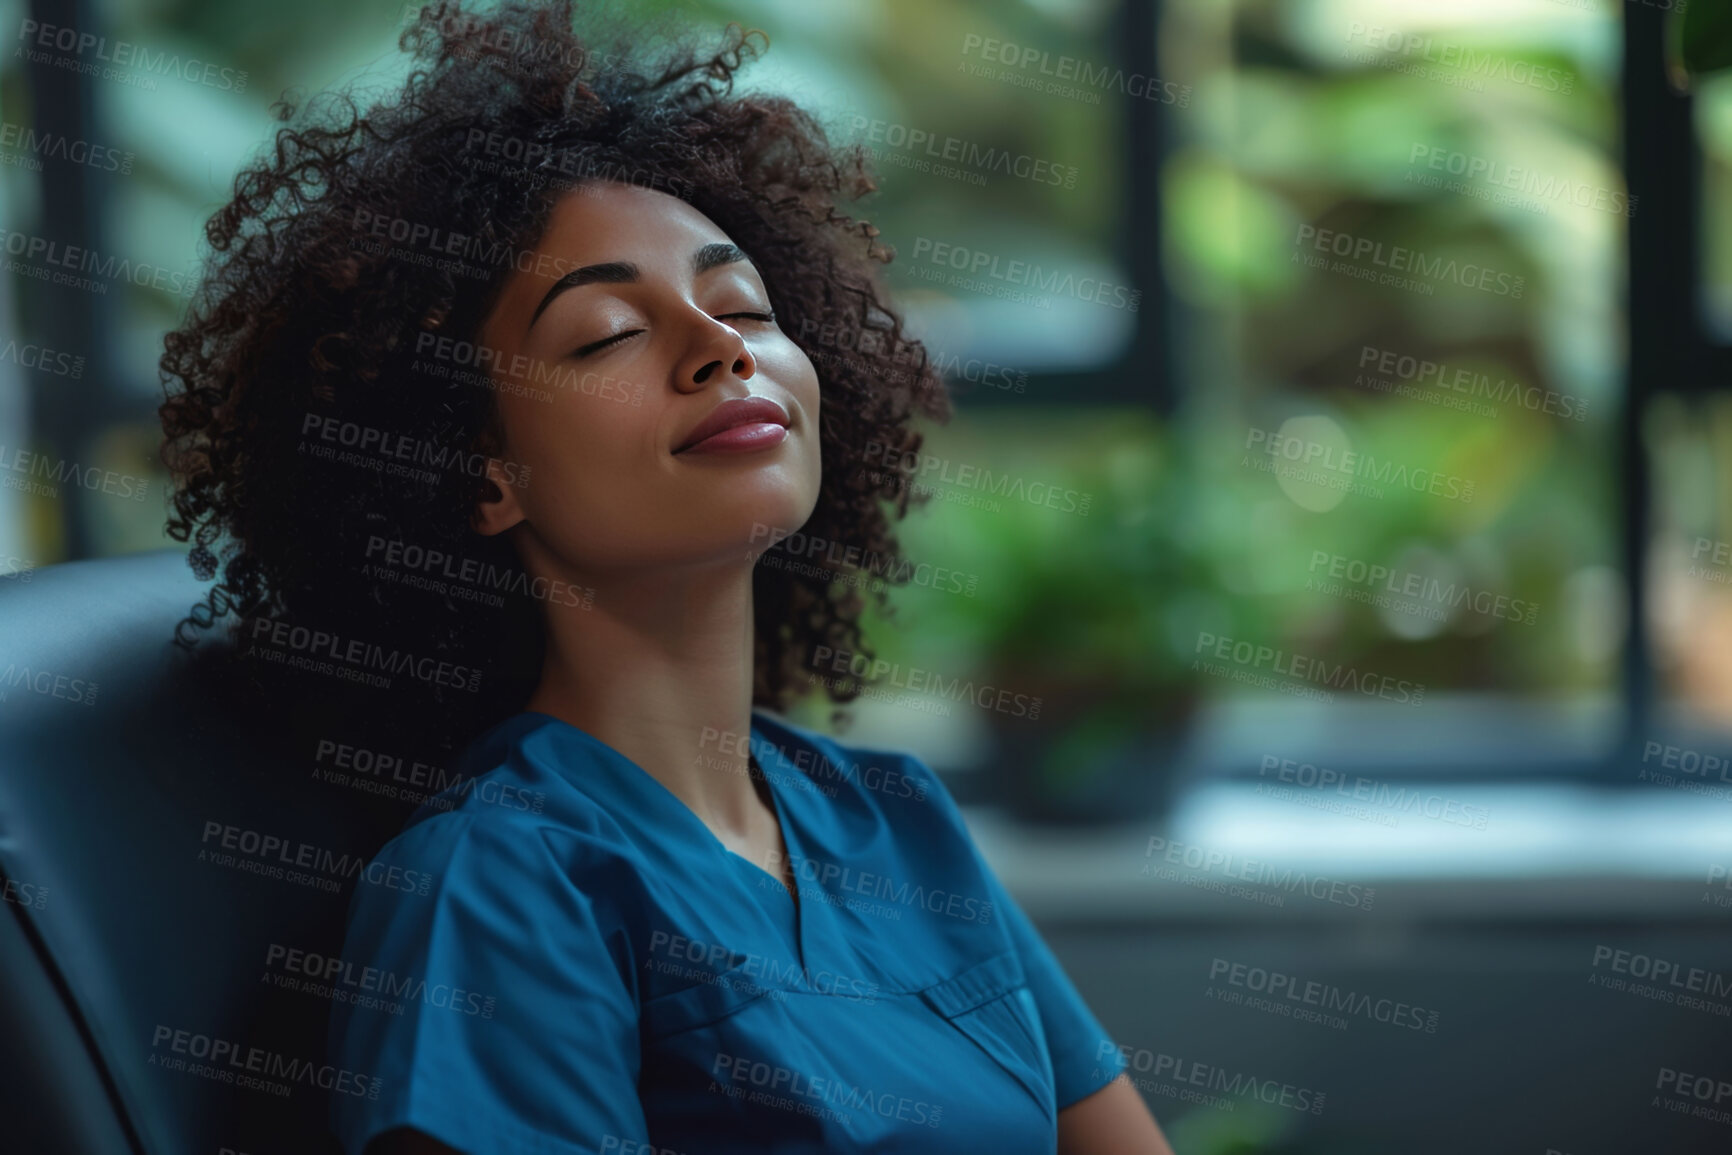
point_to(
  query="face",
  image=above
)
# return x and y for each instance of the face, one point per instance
(636, 320)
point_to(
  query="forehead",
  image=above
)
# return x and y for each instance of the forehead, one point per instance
(606, 221)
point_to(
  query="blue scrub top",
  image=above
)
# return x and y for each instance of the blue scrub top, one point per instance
(593, 971)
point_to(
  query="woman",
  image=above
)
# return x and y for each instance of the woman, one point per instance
(543, 320)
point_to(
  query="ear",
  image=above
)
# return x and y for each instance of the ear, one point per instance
(498, 507)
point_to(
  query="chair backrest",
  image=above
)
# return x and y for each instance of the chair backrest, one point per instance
(176, 874)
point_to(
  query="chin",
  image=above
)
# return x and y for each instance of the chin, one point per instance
(761, 522)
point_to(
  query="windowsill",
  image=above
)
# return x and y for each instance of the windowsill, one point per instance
(1545, 852)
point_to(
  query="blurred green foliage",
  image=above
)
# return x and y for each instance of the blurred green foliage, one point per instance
(1283, 130)
(1704, 32)
(1286, 132)
(1080, 592)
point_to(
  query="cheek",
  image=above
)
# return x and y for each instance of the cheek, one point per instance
(584, 453)
(809, 392)
(790, 368)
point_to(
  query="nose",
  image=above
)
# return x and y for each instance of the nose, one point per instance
(716, 349)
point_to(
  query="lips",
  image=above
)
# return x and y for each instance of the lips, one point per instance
(731, 414)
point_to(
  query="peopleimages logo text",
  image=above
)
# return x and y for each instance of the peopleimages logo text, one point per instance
(48, 683)
(845, 879)
(386, 444)
(471, 571)
(1529, 181)
(349, 983)
(1482, 64)
(1067, 68)
(1405, 799)
(1211, 860)
(278, 850)
(917, 679)
(964, 152)
(1309, 669)
(50, 145)
(363, 654)
(228, 1057)
(977, 263)
(126, 54)
(1199, 1074)
(1400, 259)
(61, 263)
(1278, 984)
(1365, 466)
(60, 471)
(1471, 382)
(1424, 587)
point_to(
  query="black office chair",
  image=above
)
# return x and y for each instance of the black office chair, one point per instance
(144, 979)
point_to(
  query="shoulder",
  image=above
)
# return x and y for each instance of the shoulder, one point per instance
(515, 960)
(525, 773)
(510, 818)
(510, 904)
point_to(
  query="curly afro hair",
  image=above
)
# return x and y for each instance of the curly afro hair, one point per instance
(300, 374)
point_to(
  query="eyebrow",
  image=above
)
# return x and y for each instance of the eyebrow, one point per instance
(623, 272)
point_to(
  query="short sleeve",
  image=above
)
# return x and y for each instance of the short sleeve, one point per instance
(1084, 1057)
(493, 1009)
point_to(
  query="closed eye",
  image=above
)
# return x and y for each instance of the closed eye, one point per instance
(585, 350)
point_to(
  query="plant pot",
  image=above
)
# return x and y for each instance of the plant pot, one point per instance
(1095, 755)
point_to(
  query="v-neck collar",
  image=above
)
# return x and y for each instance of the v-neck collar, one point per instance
(784, 818)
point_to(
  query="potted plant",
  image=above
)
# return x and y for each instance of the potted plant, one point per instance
(1072, 612)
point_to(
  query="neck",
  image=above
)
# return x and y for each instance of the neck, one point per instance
(661, 670)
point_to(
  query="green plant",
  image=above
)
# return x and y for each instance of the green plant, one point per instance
(1075, 592)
